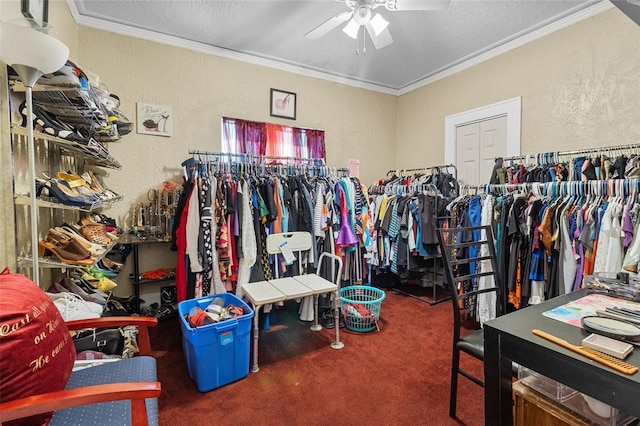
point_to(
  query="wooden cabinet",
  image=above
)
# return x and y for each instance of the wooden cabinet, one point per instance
(535, 408)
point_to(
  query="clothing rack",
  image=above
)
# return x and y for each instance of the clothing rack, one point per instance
(425, 169)
(399, 188)
(547, 157)
(259, 158)
(284, 165)
(610, 188)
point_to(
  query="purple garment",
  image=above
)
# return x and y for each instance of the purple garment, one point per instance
(627, 228)
(579, 268)
(346, 236)
(579, 251)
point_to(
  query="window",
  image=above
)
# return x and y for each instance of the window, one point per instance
(272, 140)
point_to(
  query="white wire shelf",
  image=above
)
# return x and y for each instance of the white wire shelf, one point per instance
(94, 153)
(25, 200)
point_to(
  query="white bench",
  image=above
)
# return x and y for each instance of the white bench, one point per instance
(276, 290)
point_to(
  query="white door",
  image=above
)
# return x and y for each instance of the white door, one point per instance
(467, 149)
(477, 146)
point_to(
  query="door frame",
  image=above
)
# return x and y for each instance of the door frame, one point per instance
(511, 108)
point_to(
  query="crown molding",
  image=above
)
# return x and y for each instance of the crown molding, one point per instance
(500, 49)
(447, 71)
(126, 30)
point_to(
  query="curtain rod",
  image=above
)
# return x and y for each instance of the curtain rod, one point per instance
(574, 152)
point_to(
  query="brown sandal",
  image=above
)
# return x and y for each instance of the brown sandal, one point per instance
(97, 234)
(64, 253)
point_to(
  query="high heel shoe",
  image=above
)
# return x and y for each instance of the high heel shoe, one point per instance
(70, 244)
(79, 186)
(73, 287)
(95, 183)
(61, 193)
(63, 253)
(94, 249)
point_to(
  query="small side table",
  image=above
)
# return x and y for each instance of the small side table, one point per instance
(135, 243)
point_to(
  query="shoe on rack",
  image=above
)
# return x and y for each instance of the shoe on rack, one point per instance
(67, 76)
(105, 270)
(125, 126)
(71, 232)
(73, 307)
(96, 233)
(327, 320)
(50, 125)
(63, 252)
(83, 290)
(108, 133)
(62, 193)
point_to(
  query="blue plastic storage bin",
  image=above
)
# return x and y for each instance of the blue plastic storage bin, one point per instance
(216, 354)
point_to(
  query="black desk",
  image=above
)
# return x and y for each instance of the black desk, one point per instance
(509, 338)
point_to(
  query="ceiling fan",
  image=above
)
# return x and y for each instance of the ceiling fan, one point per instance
(362, 15)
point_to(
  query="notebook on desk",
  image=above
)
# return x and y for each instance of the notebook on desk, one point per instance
(572, 312)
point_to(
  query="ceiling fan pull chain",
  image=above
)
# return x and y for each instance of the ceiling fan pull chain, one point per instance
(364, 41)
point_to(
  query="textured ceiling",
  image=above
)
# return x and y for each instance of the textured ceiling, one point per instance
(425, 42)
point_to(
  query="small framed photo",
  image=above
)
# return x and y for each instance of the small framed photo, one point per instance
(38, 10)
(154, 120)
(283, 104)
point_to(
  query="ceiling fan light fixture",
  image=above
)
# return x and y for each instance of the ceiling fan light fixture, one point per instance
(379, 24)
(351, 29)
(362, 13)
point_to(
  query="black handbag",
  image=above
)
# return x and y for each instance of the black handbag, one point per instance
(109, 341)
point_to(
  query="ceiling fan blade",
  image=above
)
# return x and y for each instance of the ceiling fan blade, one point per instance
(417, 4)
(327, 26)
(383, 39)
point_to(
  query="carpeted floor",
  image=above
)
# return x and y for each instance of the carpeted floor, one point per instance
(397, 376)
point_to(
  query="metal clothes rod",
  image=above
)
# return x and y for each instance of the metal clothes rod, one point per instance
(242, 159)
(430, 168)
(555, 154)
(260, 158)
(611, 187)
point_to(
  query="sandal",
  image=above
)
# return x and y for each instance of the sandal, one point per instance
(64, 253)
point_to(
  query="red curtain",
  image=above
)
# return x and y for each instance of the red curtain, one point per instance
(243, 136)
(252, 137)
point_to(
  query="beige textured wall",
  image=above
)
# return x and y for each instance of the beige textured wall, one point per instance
(200, 88)
(580, 88)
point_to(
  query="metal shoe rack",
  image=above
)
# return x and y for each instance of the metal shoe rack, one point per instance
(77, 107)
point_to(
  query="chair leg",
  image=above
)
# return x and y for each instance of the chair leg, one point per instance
(455, 368)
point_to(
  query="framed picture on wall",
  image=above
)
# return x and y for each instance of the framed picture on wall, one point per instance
(38, 10)
(154, 120)
(283, 104)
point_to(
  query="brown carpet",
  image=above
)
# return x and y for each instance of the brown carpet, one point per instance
(399, 375)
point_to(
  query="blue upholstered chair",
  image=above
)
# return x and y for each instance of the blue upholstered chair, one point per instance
(120, 392)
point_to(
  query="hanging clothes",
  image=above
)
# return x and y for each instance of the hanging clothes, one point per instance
(229, 214)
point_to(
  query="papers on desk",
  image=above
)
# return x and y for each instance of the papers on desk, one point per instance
(572, 312)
